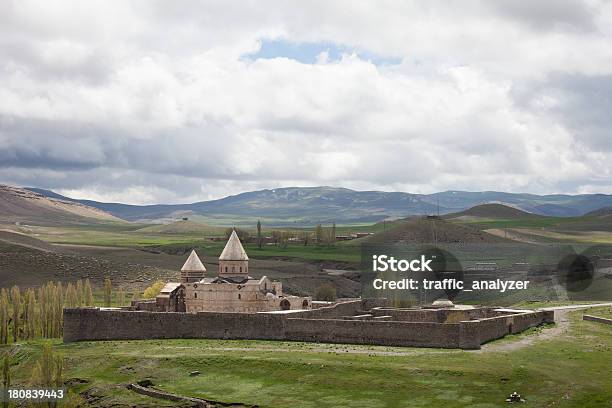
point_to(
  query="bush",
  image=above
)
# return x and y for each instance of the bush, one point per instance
(325, 292)
(154, 289)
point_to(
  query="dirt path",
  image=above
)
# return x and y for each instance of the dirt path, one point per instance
(561, 327)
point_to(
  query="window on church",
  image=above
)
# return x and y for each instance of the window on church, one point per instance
(233, 269)
(195, 295)
(239, 296)
(241, 269)
(226, 269)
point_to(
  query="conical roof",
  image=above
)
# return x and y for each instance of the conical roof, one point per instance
(193, 263)
(233, 250)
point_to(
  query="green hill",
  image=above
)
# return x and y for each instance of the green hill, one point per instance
(491, 212)
(433, 229)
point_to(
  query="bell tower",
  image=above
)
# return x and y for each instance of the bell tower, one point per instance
(233, 261)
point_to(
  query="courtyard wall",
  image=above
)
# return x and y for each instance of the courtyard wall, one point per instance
(318, 325)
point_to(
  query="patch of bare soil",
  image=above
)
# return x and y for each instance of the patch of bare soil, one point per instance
(511, 234)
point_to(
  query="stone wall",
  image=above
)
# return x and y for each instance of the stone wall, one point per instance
(597, 319)
(318, 325)
(388, 333)
(96, 324)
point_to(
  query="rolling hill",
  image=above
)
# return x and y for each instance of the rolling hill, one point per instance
(491, 211)
(429, 230)
(307, 206)
(19, 205)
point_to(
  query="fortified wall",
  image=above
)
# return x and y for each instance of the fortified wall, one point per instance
(366, 321)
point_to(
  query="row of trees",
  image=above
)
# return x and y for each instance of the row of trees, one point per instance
(38, 312)
(321, 236)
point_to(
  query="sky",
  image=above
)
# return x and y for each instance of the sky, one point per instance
(179, 101)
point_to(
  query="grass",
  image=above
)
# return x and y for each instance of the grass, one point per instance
(566, 371)
(136, 237)
(552, 303)
(342, 253)
(528, 222)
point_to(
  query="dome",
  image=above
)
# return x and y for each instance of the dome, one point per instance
(233, 250)
(443, 303)
(193, 264)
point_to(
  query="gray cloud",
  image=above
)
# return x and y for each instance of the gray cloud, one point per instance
(153, 101)
(548, 14)
(581, 103)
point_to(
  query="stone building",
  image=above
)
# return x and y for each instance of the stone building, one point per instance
(232, 290)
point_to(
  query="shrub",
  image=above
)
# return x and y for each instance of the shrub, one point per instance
(153, 290)
(325, 292)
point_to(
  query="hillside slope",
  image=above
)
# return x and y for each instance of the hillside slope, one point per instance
(491, 211)
(429, 230)
(19, 205)
(605, 212)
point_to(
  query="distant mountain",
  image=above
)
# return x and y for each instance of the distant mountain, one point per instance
(26, 206)
(294, 205)
(301, 206)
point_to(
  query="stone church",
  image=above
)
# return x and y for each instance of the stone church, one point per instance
(231, 290)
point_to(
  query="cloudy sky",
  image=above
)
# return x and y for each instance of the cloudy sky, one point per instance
(178, 101)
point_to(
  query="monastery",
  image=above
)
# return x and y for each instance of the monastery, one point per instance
(231, 290)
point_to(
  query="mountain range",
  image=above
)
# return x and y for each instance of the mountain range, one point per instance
(312, 205)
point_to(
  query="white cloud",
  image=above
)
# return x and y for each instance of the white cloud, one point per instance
(153, 101)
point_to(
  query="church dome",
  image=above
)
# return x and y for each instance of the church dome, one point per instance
(193, 264)
(233, 250)
(443, 303)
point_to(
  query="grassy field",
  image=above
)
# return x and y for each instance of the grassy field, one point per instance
(536, 222)
(571, 370)
(118, 236)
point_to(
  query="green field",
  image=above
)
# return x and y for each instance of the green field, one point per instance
(570, 370)
(133, 237)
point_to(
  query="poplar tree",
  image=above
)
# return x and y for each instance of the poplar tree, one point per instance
(4, 316)
(42, 310)
(108, 289)
(57, 309)
(120, 297)
(332, 238)
(71, 296)
(259, 239)
(16, 303)
(6, 376)
(80, 293)
(89, 301)
(319, 234)
(48, 370)
(29, 314)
